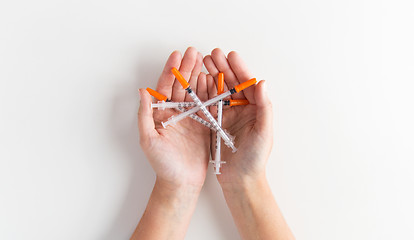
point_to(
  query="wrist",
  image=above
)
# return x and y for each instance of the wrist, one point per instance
(173, 190)
(178, 181)
(168, 212)
(244, 184)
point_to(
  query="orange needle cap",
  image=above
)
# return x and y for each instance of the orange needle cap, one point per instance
(220, 83)
(157, 95)
(180, 78)
(238, 102)
(245, 85)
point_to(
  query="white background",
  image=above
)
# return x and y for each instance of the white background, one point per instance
(341, 79)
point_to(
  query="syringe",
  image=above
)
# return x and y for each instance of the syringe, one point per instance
(163, 99)
(217, 159)
(201, 107)
(162, 105)
(236, 89)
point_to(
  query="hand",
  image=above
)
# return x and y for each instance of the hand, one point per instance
(251, 125)
(243, 176)
(179, 154)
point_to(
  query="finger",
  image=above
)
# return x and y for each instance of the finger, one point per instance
(166, 80)
(212, 69)
(242, 73)
(212, 92)
(145, 119)
(186, 68)
(194, 76)
(264, 115)
(210, 66)
(223, 66)
(202, 91)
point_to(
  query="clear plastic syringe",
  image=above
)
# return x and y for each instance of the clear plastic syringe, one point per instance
(217, 159)
(201, 107)
(163, 99)
(162, 105)
(236, 89)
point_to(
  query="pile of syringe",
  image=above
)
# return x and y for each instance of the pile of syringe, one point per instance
(197, 105)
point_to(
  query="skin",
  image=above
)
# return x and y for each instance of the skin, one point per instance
(181, 173)
(243, 179)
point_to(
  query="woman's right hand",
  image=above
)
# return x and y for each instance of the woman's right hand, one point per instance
(251, 125)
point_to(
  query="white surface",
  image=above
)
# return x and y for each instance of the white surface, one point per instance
(341, 77)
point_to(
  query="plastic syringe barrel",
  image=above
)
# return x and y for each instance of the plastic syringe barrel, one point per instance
(163, 101)
(213, 121)
(198, 119)
(203, 108)
(220, 90)
(181, 116)
(161, 105)
(217, 157)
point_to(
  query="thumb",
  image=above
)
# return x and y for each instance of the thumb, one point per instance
(264, 114)
(146, 124)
